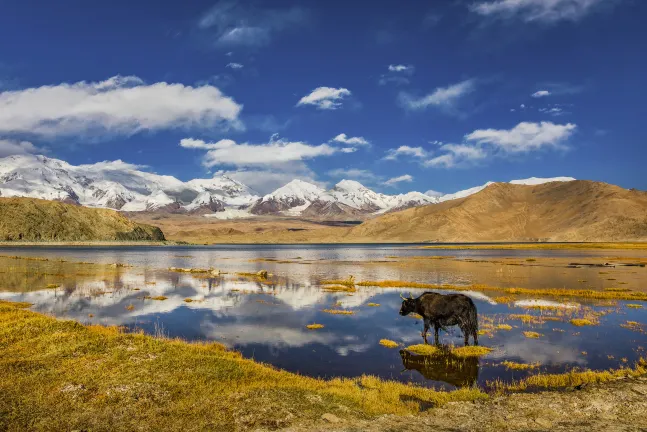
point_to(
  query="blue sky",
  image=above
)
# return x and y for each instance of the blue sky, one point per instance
(400, 95)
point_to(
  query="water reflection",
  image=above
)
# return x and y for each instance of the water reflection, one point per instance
(459, 372)
(266, 320)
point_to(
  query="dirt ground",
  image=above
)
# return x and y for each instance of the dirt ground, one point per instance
(610, 407)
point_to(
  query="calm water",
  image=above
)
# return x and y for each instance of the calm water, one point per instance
(267, 321)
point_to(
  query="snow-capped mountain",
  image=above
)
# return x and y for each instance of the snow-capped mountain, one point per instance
(116, 185)
(122, 186)
(292, 198)
(348, 198)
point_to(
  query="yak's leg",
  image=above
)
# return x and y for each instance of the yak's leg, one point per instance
(436, 341)
(475, 334)
(424, 333)
(466, 334)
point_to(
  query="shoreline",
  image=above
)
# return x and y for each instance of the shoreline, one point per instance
(423, 245)
(99, 375)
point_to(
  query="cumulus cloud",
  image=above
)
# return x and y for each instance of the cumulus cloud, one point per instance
(230, 24)
(11, 147)
(342, 138)
(235, 65)
(547, 11)
(348, 150)
(418, 152)
(440, 97)
(118, 105)
(277, 151)
(524, 137)
(395, 180)
(397, 74)
(325, 97)
(434, 194)
(485, 144)
(540, 93)
(456, 155)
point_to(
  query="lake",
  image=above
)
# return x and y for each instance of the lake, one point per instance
(265, 319)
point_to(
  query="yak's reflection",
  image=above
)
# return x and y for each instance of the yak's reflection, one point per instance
(459, 372)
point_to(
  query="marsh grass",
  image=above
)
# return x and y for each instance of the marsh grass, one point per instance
(338, 311)
(532, 335)
(635, 246)
(572, 379)
(506, 327)
(53, 286)
(339, 288)
(424, 349)
(373, 304)
(607, 294)
(389, 343)
(457, 352)
(161, 298)
(580, 322)
(314, 326)
(510, 365)
(634, 306)
(62, 375)
(470, 351)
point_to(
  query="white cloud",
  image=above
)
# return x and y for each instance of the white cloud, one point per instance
(548, 11)
(353, 173)
(11, 147)
(419, 152)
(118, 105)
(524, 137)
(401, 68)
(235, 65)
(325, 97)
(395, 180)
(342, 138)
(348, 150)
(456, 155)
(434, 194)
(554, 111)
(540, 93)
(277, 151)
(232, 23)
(522, 106)
(440, 97)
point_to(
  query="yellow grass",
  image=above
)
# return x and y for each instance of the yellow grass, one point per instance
(347, 282)
(130, 307)
(504, 327)
(519, 366)
(574, 378)
(504, 299)
(580, 322)
(637, 246)
(373, 304)
(470, 351)
(188, 300)
(423, 349)
(53, 285)
(62, 375)
(389, 343)
(531, 334)
(607, 294)
(156, 298)
(336, 288)
(315, 326)
(634, 306)
(338, 311)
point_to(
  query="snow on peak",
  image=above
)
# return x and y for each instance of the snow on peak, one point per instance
(297, 189)
(350, 186)
(538, 180)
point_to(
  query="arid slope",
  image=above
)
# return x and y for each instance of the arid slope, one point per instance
(29, 219)
(564, 211)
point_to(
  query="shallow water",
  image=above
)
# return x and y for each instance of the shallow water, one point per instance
(266, 321)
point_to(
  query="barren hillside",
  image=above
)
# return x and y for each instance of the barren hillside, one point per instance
(565, 211)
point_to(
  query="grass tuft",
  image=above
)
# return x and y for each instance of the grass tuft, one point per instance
(532, 335)
(519, 366)
(315, 326)
(53, 285)
(470, 351)
(389, 343)
(580, 322)
(373, 304)
(634, 306)
(338, 311)
(504, 327)
(423, 349)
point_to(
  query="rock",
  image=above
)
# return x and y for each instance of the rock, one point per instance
(330, 418)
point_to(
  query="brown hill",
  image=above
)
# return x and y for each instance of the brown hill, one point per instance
(558, 211)
(29, 219)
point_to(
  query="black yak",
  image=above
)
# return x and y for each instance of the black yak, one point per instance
(442, 311)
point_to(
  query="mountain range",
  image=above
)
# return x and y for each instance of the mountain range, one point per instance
(121, 186)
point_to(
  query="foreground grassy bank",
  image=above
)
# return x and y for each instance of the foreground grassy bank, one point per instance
(62, 375)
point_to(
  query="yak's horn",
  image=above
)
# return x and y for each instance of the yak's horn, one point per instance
(410, 294)
(402, 297)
